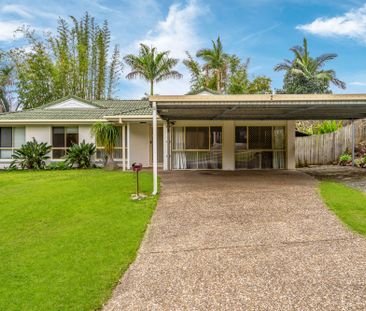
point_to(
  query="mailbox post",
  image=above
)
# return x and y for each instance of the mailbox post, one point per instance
(137, 167)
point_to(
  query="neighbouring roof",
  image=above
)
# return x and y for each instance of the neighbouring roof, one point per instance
(261, 107)
(93, 110)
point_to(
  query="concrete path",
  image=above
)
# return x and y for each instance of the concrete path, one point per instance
(244, 241)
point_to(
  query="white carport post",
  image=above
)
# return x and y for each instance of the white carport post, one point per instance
(165, 146)
(353, 142)
(124, 147)
(128, 146)
(155, 150)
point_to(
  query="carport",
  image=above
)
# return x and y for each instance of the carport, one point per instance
(251, 108)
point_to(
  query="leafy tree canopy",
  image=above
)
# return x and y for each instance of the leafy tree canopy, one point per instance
(223, 72)
(306, 75)
(72, 61)
(152, 66)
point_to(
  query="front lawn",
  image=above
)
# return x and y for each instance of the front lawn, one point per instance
(348, 204)
(66, 237)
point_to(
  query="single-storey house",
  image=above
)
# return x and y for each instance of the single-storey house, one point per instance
(200, 131)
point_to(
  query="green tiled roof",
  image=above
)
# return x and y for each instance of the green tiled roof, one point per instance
(103, 108)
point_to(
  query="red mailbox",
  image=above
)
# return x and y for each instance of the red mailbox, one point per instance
(136, 167)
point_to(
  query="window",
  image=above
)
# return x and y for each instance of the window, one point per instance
(11, 138)
(197, 138)
(198, 147)
(62, 139)
(260, 147)
(260, 137)
(241, 137)
(118, 150)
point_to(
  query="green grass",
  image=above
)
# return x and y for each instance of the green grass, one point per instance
(66, 237)
(347, 203)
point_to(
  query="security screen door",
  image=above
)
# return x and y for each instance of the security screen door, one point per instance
(260, 147)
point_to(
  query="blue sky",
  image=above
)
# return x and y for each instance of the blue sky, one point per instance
(262, 30)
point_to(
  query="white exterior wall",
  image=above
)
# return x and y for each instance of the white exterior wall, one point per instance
(85, 134)
(42, 133)
(140, 143)
(140, 139)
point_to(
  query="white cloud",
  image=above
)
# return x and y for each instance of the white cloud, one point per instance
(17, 9)
(352, 25)
(178, 34)
(358, 83)
(8, 30)
(26, 12)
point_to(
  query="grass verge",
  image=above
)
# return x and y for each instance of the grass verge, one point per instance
(347, 203)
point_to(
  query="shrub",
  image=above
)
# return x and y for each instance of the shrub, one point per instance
(62, 165)
(362, 162)
(31, 155)
(345, 159)
(80, 155)
(325, 127)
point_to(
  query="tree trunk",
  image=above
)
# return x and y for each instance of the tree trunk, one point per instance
(111, 164)
(4, 104)
(218, 84)
(152, 87)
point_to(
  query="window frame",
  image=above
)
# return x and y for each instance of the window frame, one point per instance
(12, 148)
(65, 141)
(196, 151)
(263, 150)
(184, 137)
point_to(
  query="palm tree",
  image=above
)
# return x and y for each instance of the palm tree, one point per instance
(152, 66)
(106, 135)
(216, 60)
(310, 68)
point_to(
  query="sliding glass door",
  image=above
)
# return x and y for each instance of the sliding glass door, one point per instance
(197, 147)
(260, 147)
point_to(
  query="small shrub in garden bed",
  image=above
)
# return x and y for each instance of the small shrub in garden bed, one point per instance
(31, 155)
(345, 159)
(58, 166)
(80, 155)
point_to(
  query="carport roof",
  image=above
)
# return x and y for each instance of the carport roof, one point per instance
(261, 107)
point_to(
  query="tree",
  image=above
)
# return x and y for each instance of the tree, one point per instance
(305, 74)
(216, 60)
(223, 72)
(106, 135)
(6, 77)
(152, 66)
(73, 60)
(35, 72)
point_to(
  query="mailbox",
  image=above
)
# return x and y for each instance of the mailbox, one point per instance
(136, 167)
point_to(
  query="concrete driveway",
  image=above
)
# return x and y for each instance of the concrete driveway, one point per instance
(244, 241)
